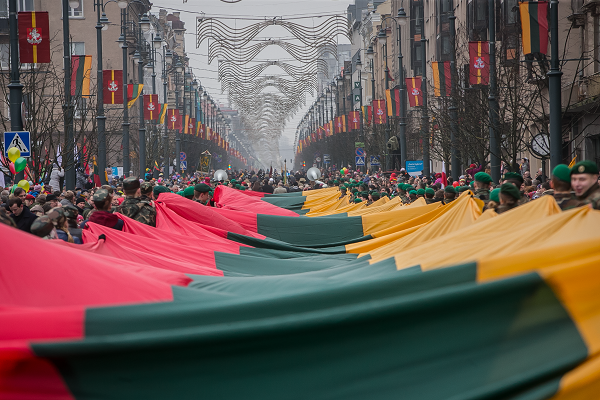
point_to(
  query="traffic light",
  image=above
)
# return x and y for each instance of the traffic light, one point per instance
(229, 166)
(304, 163)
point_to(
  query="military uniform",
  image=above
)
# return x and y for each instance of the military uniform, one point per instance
(139, 210)
(483, 194)
(591, 197)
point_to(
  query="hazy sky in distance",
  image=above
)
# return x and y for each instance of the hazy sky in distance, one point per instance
(305, 12)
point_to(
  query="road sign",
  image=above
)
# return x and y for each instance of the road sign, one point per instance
(21, 140)
(182, 156)
(357, 98)
(356, 85)
(375, 160)
(360, 160)
(318, 159)
(183, 164)
(360, 152)
(414, 168)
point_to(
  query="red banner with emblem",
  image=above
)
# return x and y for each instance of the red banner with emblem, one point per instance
(354, 120)
(379, 112)
(479, 63)
(151, 107)
(174, 119)
(34, 37)
(112, 92)
(413, 88)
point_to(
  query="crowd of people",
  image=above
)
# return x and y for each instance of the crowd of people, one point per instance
(48, 212)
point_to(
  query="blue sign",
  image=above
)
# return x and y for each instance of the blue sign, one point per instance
(182, 156)
(414, 168)
(360, 160)
(184, 165)
(360, 152)
(20, 140)
(375, 160)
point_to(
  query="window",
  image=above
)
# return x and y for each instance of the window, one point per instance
(76, 12)
(3, 8)
(80, 108)
(78, 48)
(510, 11)
(26, 5)
(4, 55)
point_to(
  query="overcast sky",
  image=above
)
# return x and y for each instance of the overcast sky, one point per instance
(304, 12)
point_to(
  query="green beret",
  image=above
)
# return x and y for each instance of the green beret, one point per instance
(585, 167)
(336, 181)
(202, 188)
(158, 189)
(343, 188)
(421, 192)
(233, 181)
(409, 187)
(429, 191)
(180, 193)
(355, 190)
(413, 192)
(511, 190)
(449, 189)
(188, 191)
(513, 176)
(483, 177)
(342, 180)
(100, 195)
(562, 172)
(495, 195)
(358, 200)
(375, 195)
(42, 226)
(472, 183)
(384, 194)
(462, 189)
(131, 183)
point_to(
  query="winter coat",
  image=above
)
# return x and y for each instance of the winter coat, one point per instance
(55, 176)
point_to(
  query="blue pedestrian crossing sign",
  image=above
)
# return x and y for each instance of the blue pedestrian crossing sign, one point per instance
(20, 140)
(184, 165)
(360, 160)
(375, 160)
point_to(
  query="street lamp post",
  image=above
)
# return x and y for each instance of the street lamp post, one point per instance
(425, 114)
(167, 59)
(554, 83)
(144, 26)
(400, 22)
(493, 102)
(101, 25)
(15, 86)
(453, 109)
(68, 106)
(125, 124)
(382, 36)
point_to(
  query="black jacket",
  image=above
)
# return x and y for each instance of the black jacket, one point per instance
(24, 220)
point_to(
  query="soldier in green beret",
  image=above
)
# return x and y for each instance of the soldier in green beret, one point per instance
(412, 195)
(449, 194)
(561, 188)
(509, 197)
(133, 206)
(429, 193)
(584, 180)
(420, 192)
(517, 180)
(482, 186)
(202, 195)
(402, 193)
(158, 189)
(358, 200)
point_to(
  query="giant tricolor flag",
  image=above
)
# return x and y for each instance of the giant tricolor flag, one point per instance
(479, 63)
(379, 112)
(413, 87)
(442, 78)
(534, 25)
(151, 107)
(112, 92)
(34, 37)
(81, 68)
(367, 112)
(174, 119)
(392, 97)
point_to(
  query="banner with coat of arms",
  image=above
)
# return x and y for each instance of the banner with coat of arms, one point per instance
(479, 63)
(112, 90)
(151, 107)
(34, 37)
